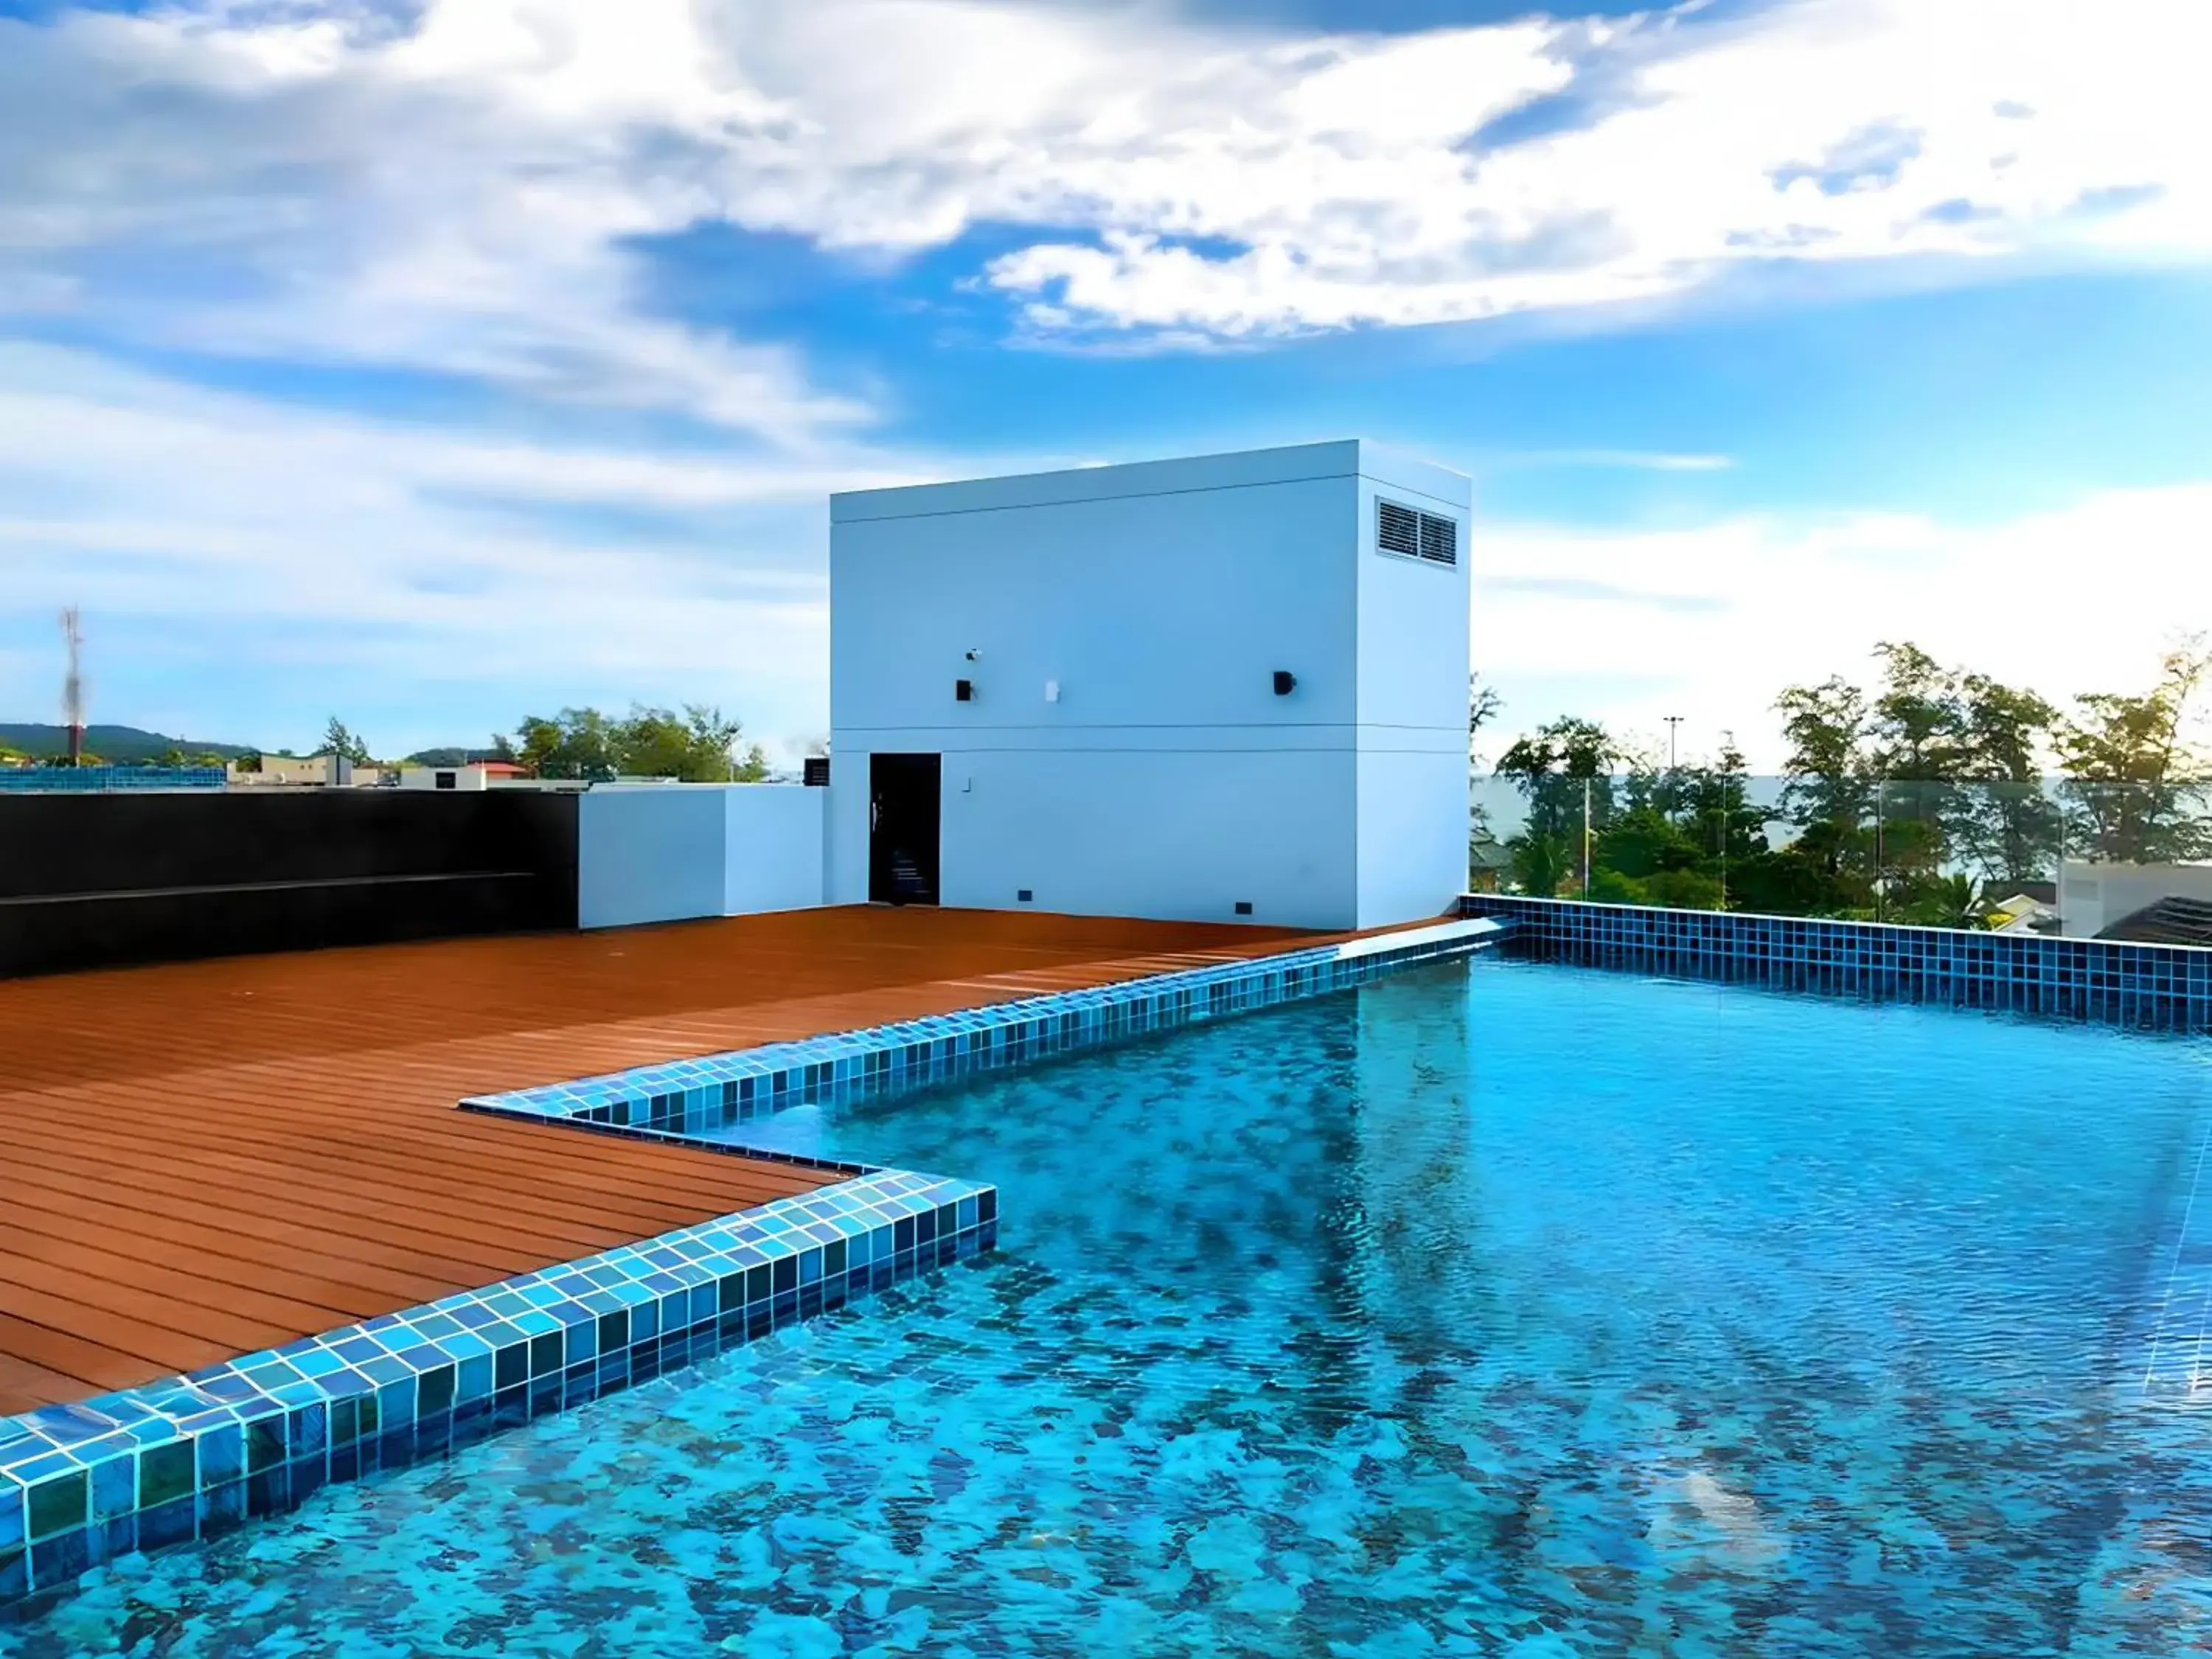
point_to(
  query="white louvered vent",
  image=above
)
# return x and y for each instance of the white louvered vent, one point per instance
(1400, 529)
(1397, 529)
(1439, 539)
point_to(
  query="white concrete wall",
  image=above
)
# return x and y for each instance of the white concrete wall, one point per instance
(1168, 779)
(772, 847)
(665, 852)
(1412, 668)
(1150, 832)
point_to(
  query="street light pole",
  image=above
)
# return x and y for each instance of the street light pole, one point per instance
(1673, 721)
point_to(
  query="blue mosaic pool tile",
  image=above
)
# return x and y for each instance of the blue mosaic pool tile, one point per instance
(2151, 987)
(715, 1092)
(195, 1457)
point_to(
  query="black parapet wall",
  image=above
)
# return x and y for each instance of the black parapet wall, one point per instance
(98, 880)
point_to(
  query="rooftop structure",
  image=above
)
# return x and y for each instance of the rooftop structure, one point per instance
(1219, 687)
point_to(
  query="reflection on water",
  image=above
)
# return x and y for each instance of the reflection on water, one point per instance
(1488, 1309)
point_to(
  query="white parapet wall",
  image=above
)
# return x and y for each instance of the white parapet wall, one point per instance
(665, 852)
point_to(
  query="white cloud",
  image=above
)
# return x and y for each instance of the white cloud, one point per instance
(244, 539)
(453, 190)
(456, 193)
(1826, 130)
(1709, 623)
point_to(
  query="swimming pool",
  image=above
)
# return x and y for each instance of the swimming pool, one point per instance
(1490, 1308)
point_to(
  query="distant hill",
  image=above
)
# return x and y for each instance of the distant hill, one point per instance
(122, 743)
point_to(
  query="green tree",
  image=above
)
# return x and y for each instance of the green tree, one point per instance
(1483, 703)
(577, 743)
(2134, 788)
(1728, 831)
(2006, 822)
(1830, 792)
(1724, 819)
(1558, 768)
(1647, 855)
(339, 741)
(1917, 728)
(1954, 901)
(1916, 732)
(699, 746)
(1828, 797)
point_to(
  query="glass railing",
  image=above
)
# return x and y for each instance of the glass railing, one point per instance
(2077, 859)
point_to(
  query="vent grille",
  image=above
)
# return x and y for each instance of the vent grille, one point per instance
(1397, 529)
(1439, 539)
(1417, 535)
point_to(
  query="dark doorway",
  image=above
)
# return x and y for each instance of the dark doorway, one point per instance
(902, 809)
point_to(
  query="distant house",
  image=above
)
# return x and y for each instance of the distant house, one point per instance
(443, 777)
(2165, 921)
(2142, 903)
(477, 774)
(307, 772)
(1487, 863)
(2024, 911)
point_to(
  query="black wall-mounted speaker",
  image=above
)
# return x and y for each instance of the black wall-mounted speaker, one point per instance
(964, 691)
(815, 770)
(1285, 681)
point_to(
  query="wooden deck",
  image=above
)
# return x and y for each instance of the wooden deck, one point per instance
(203, 1159)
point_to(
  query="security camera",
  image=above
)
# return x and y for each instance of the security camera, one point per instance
(974, 654)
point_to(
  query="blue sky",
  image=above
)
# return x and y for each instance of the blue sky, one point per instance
(436, 364)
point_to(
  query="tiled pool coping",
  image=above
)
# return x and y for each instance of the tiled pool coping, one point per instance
(196, 1456)
(2157, 987)
(690, 1096)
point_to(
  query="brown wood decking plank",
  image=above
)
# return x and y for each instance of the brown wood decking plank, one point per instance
(376, 1288)
(317, 1231)
(24, 1386)
(211, 1281)
(93, 1365)
(359, 1210)
(211, 1155)
(84, 1303)
(320, 1175)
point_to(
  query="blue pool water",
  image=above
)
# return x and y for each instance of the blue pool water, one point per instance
(1487, 1309)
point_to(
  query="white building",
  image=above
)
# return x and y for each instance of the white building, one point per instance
(2093, 897)
(304, 771)
(469, 778)
(1224, 687)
